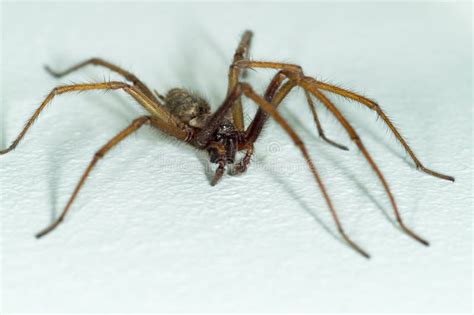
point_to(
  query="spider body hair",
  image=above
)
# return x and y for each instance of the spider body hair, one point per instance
(188, 107)
(195, 112)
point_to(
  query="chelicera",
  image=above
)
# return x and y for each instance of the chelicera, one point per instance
(188, 118)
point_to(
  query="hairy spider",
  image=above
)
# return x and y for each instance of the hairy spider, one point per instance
(188, 118)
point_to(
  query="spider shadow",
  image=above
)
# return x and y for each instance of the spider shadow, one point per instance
(3, 130)
(54, 175)
(295, 196)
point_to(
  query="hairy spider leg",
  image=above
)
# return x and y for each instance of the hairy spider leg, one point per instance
(134, 126)
(295, 73)
(100, 62)
(164, 119)
(271, 110)
(376, 107)
(260, 118)
(306, 83)
(254, 129)
(296, 70)
(241, 53)
(318, 124)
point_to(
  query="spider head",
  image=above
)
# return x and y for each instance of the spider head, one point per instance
(224, 144)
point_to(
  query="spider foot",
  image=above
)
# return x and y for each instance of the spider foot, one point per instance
(218, 174)
(10, 148)
(49, 228)
(414, 235)
(435, 174)
(2, 152)
(354, 245)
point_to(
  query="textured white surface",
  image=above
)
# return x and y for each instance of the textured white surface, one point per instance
(148, 233)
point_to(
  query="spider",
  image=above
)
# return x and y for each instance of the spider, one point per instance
(187, 117)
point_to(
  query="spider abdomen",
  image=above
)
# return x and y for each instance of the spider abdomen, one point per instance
(187, 107)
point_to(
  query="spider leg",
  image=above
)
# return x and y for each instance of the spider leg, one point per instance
(253, 130)
(242, 166)
(318, 124)
(271, 110)
(221, 162)
(165, 120)
(202, 139)
(308, 84)
(295, 73)
(134, 126)
(256, 126)
(375, 107)
(241, 53)
(100, 62)
(274, 94)
(219, 172)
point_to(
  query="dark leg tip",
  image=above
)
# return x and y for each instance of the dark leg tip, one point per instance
(415, 236)
(335, 144)
(426, 243)
(365, 255)
(42, 233)
(362, 253)
(435, 174)
(446, 177)
(215, 179)
(5, 151)
(355, 247)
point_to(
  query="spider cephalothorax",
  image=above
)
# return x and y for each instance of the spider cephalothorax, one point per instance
(188, 118)
(194, 111)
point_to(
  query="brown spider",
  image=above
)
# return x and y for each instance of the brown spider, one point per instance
(222, 134)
